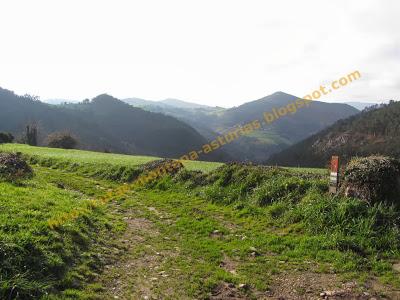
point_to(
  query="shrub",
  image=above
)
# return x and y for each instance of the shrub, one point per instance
(373, 179)
(6, 137)
(14, 168)
(62, 140)
(163, 166)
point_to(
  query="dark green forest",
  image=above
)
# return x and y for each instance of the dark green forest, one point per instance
(375, 130)
(257, 147)
(102, 124)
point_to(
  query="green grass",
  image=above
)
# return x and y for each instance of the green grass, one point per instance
(201, 220)
(308, 170)
(203, 166)
(269, 137)
(35, 258)
(78, 156)
(292, 215)
(98, 159)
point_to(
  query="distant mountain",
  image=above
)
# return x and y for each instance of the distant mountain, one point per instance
(195, 115)
(281, 133)
(374, 131)
(294, 127)
(138, 102)
(104, 123)
(166, 103)
(58, 101)
(361, 105)
(258, 146)
(182, 104)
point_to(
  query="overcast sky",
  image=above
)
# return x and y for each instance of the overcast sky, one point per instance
(215, 52)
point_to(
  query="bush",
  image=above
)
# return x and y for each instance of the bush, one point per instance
(14, 168)
(373, 179)
(6, 137)
(170, 166)
(62, 140)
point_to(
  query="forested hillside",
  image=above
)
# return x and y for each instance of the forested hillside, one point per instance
(257, 147)
(375, 131)
(103, 124)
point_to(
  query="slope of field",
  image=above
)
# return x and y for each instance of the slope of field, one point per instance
(374, 131)
(35, 259)
(96, 160)
(238, 231)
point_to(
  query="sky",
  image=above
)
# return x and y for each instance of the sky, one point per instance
(213, 52)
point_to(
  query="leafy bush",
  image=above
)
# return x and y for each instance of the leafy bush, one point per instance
(373, 179)
(14, 168)
(6, 137)
(62, 140)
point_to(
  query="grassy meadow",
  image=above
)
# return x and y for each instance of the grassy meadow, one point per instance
(210, 230)
(97, 158)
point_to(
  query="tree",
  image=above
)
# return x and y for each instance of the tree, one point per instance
(31, 135)
(6, 137)
(62, 140)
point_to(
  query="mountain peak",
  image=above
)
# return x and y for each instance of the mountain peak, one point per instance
(104, 98)
(282, 94)
(279, 93)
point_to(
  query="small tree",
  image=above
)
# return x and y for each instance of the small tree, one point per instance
(31, 135)
(6, 137)
(62, 140)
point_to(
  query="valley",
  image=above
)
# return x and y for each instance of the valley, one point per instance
(200, 150)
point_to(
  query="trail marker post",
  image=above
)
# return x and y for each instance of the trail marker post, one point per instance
(334, 175)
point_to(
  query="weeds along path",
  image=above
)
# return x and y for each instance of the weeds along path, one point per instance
(178, 247)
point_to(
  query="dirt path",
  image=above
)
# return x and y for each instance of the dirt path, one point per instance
(137, 270)
(154, 259)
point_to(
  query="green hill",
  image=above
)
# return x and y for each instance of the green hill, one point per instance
(257, 147)
(374, 131)
(104, 124)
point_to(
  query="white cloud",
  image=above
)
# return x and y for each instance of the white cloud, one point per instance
(221, 52)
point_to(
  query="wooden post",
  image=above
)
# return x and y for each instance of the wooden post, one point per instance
(334, 175)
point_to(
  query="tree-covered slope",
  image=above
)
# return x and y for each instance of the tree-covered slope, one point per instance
(104, 123)
(257, 147)
(374, 131)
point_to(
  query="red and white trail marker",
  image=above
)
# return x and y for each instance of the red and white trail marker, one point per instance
(334, 178)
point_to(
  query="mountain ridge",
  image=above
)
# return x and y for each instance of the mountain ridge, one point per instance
(374, 131)
(104, 124)
(256, 147)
